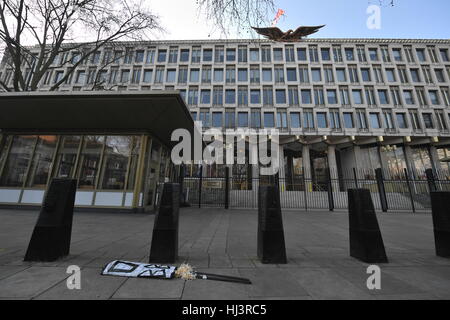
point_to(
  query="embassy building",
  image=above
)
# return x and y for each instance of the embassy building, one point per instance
(337, 103)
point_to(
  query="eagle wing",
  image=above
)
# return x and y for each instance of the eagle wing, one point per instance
(305, 31)
(273, 33)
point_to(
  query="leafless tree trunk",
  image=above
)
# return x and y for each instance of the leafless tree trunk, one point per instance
(53, 23)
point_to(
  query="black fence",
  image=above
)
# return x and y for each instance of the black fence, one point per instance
(326, 189)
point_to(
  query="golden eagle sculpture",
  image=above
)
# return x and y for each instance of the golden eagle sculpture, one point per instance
(275, 34)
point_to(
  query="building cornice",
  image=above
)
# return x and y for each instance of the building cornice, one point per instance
(378, 41)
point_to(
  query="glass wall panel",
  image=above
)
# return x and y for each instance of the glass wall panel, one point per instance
(90, 161)
(42, 161)
(421, 159)
(67, 156)
(17, 163)
(115, 162)
(135, 148)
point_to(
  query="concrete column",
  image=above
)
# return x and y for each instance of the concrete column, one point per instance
(332, 164)
(434, 157)
(359, 162)
(307, 167)
(282, 171)
(409, 160)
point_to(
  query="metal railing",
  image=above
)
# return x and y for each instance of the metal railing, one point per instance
(327, 189)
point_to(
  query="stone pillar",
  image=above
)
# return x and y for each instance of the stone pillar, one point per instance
(434, 157)
(332, 164)
(409, 160)
(359, 163)
(282, 171)
(307, 167)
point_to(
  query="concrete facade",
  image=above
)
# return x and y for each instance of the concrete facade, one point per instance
(353, 103)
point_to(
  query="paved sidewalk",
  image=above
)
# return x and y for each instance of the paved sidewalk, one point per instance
(224, 242)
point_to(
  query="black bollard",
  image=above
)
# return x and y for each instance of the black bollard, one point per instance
(441, 222)
(271, 246)
(366, 242)
(164, 248)
(53, 230)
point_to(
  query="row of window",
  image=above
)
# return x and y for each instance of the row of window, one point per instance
(254, 75)
(266, 53)
(318, 96)
(333, 119)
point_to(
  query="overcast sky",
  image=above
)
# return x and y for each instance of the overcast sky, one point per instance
(344, 19)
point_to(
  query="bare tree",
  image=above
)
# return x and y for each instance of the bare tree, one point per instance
(239, 14)
(52, 24)
(55, 28)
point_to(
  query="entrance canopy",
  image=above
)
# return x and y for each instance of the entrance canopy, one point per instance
(155, 113)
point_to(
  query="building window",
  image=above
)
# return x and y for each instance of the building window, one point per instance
(295, 120)
(254, 55)
(218, 75)
(196, 55)
(341, 76)
(357, 97)
(308, 119)
(348, 120)
(277, 54)
(408, 96)
(319, 98)
(242, 119)
(268, 96)
(397, 54)
(162, 56)
(301, 54)
(194, 75)
(242, 54)
(182, 74)
(269, 120)
(255, 119)
(242, 75)
(375, 121)
(171, 75)
(306, 96)
(217, 119)
(136, 77)
(207, 55)
(159, 75)
(280, 95)
(254, 75)
(125, 76)
(349, 54)
(219, 54)
(282, 119)
(206, 74)
(255, 96)
(218, 96)
(193, 96)
(230, 75)
(293, 96)
(243, 96)
(325, 52)
(428, 120)
(184, 55)
(230, 96)
(231, 55)
(289, 54)
(401, 121)
(291, 74)
(279, 74)
(383, 96)
(313, 54)
(205, 96)
(230, 119)
(316, 75)
(332, 96)
(322, 120)
(434, 98)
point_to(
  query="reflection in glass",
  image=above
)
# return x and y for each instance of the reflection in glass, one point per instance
(115, 163)
(133, 162)
(42, 161)
(67, 156)
(16, 166)
(90, 161)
